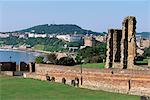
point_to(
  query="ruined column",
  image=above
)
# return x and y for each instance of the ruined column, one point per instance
(109, 52)
(124, 46)
(131, 42)
(18, 67)
(128, 42)
(30, 67)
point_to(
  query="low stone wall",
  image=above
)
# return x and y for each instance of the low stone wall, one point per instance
(134, 82)
(9, 73)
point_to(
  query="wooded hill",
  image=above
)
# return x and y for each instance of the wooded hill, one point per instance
(57, 29)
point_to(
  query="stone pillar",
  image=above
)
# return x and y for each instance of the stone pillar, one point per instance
(131, 41)
(18, 67)
(30, 67)
(109, 52)
(114, 46)
(148, 62)
(128, 42)
(124, 43)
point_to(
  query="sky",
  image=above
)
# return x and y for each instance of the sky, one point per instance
(95, 15)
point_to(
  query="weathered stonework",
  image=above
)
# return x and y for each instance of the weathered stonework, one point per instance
(134, 82)
(121, 45)
(109, 47)
(113, 47)
(128, 43)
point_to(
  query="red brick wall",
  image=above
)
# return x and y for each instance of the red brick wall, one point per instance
(99, 79)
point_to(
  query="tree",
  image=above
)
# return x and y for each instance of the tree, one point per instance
(52, 58)
(39, 59)
(147, 52)
(93, 54)
(68, 61)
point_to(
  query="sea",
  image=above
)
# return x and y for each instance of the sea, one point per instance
(7, 55)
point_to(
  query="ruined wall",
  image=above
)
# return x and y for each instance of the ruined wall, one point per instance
(116, 47)
(8, 66)
(121, 45)
(113, 53)
(114, 80)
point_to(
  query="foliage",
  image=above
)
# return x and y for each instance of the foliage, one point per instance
(55, 29)
(142, 62)
(68, 61)
(94, 54)
(56, 48)
(96, 59)
(147, 52)
(47, 44)
(32, 41)
(39, 47)
(39, 59)
(52, 58)
(74, 44)
(140, 58)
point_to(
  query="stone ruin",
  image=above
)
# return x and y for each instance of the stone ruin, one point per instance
(121, 45)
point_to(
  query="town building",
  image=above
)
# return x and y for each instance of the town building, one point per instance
(89, 41)
(35, 35)
(4, 35)
(70, 38)
(100, 38)
(23, 35)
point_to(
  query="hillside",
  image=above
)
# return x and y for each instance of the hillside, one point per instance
(61, 28)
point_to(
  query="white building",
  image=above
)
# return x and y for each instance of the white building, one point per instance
(69, 38)
(31, 35)
(37, 35)
(23, 36)
(40, 35)
(63, 37)
(4, 35)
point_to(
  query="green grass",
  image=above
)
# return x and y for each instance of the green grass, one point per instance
(93, 65)
(145, 61)
(38, 47)
(12, 88)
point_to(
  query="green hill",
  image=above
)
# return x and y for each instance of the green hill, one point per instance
(57, 29)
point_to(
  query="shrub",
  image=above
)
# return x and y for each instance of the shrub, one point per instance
(39, 59)
(68, 61)
(140, 58)
(146, 52)
(52, 58)
(94, 54)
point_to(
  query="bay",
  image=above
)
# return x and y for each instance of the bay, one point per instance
(17, 56)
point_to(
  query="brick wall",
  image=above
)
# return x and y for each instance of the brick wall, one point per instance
(135, 82)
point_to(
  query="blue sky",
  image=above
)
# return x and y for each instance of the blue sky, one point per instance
(96, 15)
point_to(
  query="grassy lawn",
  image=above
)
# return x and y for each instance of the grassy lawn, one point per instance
(12, 88)
(145, 61)
(93, 65)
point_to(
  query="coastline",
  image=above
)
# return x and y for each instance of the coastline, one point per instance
(24, 50)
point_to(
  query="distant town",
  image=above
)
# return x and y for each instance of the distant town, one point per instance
(80, 40)
(86, 39)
